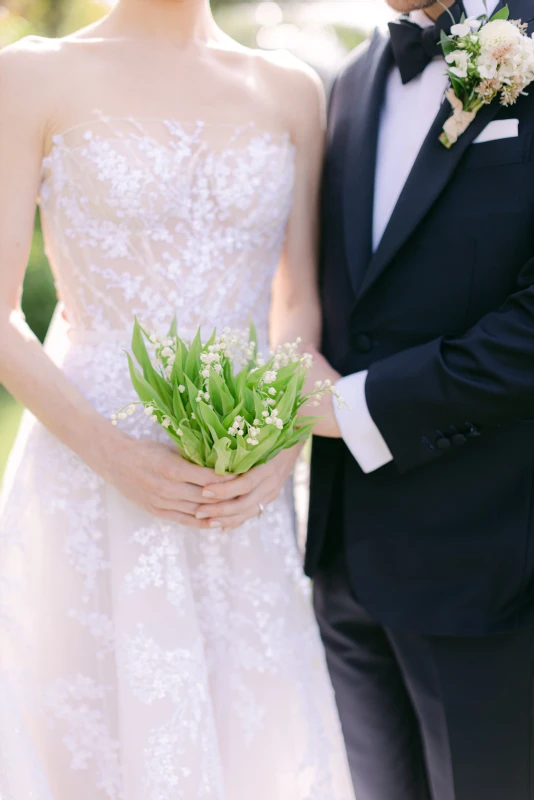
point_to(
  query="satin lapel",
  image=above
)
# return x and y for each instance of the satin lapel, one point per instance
(361, 157)
(431, 173)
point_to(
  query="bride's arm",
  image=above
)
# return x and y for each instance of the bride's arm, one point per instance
(296, 308)
(149, 473)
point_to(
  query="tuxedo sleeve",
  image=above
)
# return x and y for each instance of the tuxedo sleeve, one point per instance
(429, 400)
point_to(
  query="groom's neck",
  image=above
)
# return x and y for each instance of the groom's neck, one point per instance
(438, 9)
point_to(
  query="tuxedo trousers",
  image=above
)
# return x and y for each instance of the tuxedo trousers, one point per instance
(427, 718)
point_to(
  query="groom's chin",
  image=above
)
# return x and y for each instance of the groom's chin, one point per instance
(405, 6)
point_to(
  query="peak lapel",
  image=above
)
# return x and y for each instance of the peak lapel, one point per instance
(432, 171)
(361, 157)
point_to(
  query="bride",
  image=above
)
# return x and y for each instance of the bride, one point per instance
(157, 637)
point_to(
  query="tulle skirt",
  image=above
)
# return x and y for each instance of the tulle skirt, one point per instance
(144, 660)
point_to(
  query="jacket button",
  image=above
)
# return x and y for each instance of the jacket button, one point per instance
(362, 343)
(459, 439)
(443, 444)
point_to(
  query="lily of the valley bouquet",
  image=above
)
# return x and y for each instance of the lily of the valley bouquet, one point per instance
(221, 414)
(488, 59)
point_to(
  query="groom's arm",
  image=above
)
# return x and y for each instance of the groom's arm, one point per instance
(429, 400)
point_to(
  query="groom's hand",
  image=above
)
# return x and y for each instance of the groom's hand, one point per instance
(322, 371)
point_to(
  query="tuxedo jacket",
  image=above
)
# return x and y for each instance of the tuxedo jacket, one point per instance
(441, 540)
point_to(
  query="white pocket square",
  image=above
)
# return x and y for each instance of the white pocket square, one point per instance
(499, 129)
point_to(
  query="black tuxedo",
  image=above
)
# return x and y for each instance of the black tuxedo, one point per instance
(440, 542)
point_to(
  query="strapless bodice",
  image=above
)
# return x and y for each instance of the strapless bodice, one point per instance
(156, 217)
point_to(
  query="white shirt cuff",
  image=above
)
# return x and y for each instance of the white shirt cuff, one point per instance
(358, 429)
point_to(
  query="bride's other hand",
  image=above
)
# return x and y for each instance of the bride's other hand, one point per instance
(157, 478)
(244, 497)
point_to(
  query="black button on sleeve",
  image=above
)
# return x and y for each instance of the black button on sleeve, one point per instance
(472, 430)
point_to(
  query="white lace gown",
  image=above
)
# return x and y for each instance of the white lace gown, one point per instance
(143, 660)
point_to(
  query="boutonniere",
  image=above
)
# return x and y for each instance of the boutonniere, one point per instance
(488, 59)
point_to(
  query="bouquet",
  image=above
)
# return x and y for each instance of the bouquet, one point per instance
(488, 59)
(218, 417)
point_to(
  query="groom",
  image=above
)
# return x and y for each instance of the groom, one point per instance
(421, 540)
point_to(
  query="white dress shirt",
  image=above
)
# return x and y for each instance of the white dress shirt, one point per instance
(408, 112)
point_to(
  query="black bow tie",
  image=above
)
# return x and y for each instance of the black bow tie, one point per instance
(415, 47)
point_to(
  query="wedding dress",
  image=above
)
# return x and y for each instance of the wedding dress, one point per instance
(140, 659)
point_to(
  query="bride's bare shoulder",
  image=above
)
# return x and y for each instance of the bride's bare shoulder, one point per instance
(287, 72)
(36, 74)
(278, 70)
(44, 56)
(35, 61)
(27, 69)
(295, 87)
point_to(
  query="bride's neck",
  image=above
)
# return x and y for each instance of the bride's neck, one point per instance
(182, 21)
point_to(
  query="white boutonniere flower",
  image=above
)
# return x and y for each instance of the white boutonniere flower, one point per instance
(487, 59)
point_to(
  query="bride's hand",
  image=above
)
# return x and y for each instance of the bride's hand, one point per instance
(157, 478)
(241, 499)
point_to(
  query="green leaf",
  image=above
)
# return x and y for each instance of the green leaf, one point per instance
(228, 376)
(259, 408)
(457, 85)
(257, 453)
(238, 454)
(301, 421)
(211, 340)
(192, 393)
(145, 391)
(248, 401)
(240, 384)
(447, 44)
(208, 440)
(255, 377)
(504, 13)
(181, 352)
(151, 375)
(138, 346)
(286, 404)
(252, 333)
(192, 362)
(178, 442)
(253, 337)
(228, 420)
(192, 445)
(211, 459)
(210, 418)
(178, 376)
(214, 389)
(285, 374)
(300, 435)
(224, 454)
(177, 404)
(221, 397)
(173, 330)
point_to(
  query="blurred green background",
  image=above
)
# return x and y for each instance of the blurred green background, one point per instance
(319, 32)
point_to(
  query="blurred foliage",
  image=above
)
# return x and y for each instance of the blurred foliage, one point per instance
(39, 296)
(350, 37)
(46, 17)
